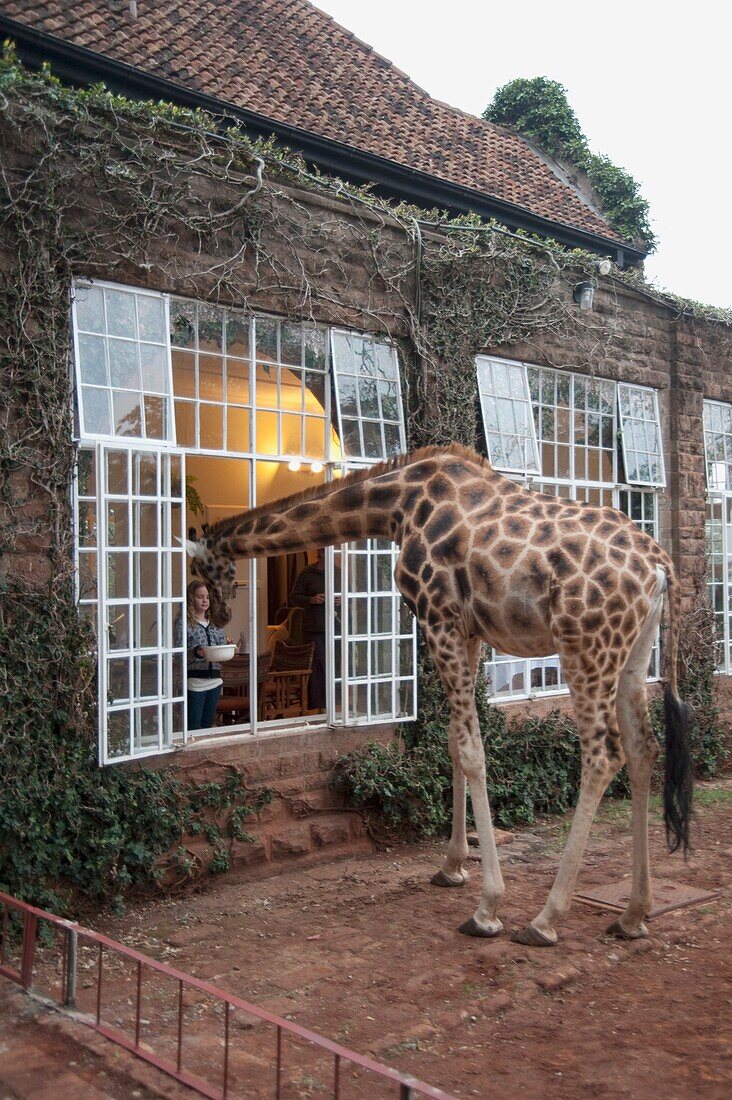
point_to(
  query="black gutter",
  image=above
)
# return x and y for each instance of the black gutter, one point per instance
(81, 67)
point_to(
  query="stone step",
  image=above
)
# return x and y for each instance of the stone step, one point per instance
(286, 838)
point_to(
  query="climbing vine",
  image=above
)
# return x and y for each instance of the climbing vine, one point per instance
(538, 109)
(93, 184)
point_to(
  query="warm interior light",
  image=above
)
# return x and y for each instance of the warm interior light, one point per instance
(293, 465)
(316, 467)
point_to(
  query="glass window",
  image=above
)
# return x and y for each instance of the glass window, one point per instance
(641, 435)
(122, 363)
(718, 445)
(139, 496)
(507, 418)
(576, 424)
(368, 397)
(717, 419)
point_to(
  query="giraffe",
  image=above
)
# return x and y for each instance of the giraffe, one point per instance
(483, 559)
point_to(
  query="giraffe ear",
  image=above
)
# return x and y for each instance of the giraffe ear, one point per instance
(193, 549)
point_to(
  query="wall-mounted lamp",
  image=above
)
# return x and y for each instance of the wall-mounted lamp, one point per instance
(604, 267)
(295, 464)
(584, 294)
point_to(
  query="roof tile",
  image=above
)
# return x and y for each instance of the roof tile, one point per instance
(292, 63)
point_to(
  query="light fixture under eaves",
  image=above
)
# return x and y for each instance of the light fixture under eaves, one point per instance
(584, 294)
(293, 465)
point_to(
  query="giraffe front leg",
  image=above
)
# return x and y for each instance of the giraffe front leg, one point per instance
(452, 872)
(484, 921)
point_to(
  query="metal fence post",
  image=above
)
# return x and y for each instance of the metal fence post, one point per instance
(30, 930)
(70, 977)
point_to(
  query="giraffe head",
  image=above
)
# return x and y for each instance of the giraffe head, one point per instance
(219, 573)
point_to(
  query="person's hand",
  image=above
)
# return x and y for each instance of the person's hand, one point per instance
(320, 598)
(199, 652)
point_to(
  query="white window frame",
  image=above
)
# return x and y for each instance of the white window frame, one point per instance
(78, 288)
(717, 427)
(340, 365)
(165, 698)
(492, 373)
(97, 604)
(629, 424)
(502, 669)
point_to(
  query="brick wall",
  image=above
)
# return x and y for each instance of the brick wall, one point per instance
(321, 265)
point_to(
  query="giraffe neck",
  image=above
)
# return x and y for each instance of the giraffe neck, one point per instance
(342, 511)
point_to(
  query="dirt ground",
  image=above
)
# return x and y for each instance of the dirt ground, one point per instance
(366, 952)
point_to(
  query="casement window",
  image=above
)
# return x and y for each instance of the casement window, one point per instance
(122, 361)
(186, 414)
(368, 397)
(375, 634)
(717, 419)
(508, 422)
(641, 435)
(596, 441)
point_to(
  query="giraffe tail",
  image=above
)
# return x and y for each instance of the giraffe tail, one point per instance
(678, 783)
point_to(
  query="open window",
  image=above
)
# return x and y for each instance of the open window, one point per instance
(585, 432)
(188, 414)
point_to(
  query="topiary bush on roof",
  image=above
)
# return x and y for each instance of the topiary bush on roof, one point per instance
(538, 109)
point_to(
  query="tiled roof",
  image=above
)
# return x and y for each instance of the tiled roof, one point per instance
(290, 62)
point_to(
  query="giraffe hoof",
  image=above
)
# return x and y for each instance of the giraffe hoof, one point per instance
(616, 929)
(444, 878)
(486, 932)
(532, 937)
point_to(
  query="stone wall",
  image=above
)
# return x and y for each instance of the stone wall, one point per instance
(301, 254)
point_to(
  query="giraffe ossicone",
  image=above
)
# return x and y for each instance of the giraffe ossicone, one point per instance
(483, 559)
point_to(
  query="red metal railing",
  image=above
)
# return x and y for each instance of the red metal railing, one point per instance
(74, 937)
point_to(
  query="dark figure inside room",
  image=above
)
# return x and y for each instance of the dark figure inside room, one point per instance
(308, 592)
(204, 677)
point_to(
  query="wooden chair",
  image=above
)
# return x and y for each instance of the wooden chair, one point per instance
(233, 707)
(285, 691)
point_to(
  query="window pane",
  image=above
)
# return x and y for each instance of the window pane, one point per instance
(124, 370)
(210, 329)
(182, 324)
(120, 313)
(89, 301)
(238, 438)
(212, 427)
(154, 368)
(96, 412)
(237, 336)
(127, 413)
(211, 377)
(92, 361)
(151, 318)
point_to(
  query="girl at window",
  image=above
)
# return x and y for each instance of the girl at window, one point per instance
(204, 680)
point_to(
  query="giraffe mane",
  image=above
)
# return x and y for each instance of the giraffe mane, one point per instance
(226, 526)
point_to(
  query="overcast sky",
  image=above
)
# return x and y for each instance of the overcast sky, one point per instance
(649, 82)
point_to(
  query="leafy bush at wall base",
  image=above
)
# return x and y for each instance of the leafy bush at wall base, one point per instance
(74, 835)
(532, 764)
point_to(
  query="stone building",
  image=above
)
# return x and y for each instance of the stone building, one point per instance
(247, 322)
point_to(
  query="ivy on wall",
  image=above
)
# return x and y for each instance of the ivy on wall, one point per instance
(151, 194)
(538, 108)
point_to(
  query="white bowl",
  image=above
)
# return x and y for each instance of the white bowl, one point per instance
(219, 652)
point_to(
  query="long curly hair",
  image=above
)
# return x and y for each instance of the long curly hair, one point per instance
(191, 589)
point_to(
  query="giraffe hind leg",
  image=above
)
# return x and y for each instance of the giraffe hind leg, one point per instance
(641, 749)
(601, 759)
